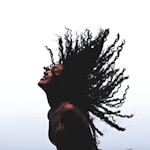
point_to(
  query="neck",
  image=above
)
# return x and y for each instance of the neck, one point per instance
(53, 98)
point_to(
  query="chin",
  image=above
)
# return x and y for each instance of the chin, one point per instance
(41, 84)
(44, 85)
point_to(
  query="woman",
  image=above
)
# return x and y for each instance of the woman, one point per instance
(68, 126)
(83, 85)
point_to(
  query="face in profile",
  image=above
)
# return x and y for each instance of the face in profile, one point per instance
(49, 75)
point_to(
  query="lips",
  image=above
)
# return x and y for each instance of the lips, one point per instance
(44, 77)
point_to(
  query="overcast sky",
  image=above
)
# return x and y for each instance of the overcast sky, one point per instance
(26, 26)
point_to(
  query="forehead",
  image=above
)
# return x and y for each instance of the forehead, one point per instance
(59, 66)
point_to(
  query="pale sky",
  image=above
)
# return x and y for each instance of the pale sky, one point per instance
(26, 26)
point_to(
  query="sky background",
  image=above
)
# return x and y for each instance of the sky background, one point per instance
(26, 26)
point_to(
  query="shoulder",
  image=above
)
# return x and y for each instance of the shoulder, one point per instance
(62, 108)
(66, 106)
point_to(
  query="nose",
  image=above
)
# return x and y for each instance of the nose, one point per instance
(46, 68)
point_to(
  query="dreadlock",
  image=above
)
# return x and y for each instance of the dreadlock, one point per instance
(90, 79)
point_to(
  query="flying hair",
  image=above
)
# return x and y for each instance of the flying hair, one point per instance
(90, 78)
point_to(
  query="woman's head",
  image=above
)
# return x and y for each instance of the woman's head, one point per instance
(87, 76)
(78, 59)
(50, 75)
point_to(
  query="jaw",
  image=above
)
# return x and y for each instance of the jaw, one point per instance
(47, 86)
(42, 84)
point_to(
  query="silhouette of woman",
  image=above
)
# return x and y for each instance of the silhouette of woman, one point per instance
(83, 86)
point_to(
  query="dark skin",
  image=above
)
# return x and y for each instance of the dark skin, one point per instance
(68, 126)
(49, 84)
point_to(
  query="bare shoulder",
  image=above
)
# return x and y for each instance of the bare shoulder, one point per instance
(71, 111)
(67, 106)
